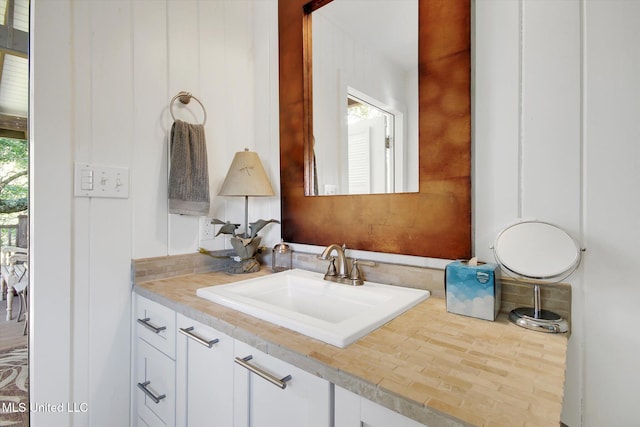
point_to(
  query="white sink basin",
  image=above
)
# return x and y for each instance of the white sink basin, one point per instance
(302, 301)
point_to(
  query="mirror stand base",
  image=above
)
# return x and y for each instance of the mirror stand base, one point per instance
(538, 320)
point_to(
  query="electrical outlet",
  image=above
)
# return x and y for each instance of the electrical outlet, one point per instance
(207, 231)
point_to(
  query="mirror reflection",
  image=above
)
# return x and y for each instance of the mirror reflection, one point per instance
(365, 97)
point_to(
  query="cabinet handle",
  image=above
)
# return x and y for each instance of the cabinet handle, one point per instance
(187, 332)
(149, 393)
(278, 382)
(154, 329)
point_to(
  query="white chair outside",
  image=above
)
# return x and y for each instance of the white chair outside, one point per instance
(14, 269)
(16, 279)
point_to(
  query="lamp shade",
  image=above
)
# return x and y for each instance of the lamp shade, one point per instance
(246, 177)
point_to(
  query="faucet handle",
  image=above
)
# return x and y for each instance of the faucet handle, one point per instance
(355, 277)
(367, 263)
(355, 271)
(331, 270)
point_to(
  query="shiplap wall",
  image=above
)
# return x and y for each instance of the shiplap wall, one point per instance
(555, 137)
(527, 134)
(611, 105)
(106, 85)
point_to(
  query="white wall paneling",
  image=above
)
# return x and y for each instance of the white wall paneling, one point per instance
(104, 99)
(550, 166)
(527, 133)
(555, 137)
(230, 73)
(111, 140)
(214, 89)
(551, 141)
(612, 131)
(265, 115)
(575, 165)
(183, 50)
(527, 141)
(81, 134)
(51, 151)
(151, 125)
(496, 120)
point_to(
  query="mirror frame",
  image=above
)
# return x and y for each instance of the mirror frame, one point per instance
(434, 222)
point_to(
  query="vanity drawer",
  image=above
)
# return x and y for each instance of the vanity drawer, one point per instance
(155, 385)
(156, 324)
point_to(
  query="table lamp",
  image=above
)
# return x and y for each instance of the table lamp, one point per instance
(246, 177)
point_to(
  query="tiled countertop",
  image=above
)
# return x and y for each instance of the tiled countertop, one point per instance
(438, 368)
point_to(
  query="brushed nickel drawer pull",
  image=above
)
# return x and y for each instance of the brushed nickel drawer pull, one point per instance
(149, 393)
(278, 382)
(187, 332)
(154, 329)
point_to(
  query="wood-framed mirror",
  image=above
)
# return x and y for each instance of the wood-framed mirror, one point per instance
(435, 221)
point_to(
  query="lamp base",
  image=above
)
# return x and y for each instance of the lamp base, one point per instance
(250, 265)
(545, 321)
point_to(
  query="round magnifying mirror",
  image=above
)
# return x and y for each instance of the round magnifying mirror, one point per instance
(540, 251)
(537, 250)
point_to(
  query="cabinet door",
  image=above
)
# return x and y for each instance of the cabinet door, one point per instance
(204, 361)
(352, 410)
(155, 386)
(259, 401)
(374, 415)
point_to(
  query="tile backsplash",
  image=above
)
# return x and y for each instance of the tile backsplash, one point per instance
(515, 294)
(148, 269)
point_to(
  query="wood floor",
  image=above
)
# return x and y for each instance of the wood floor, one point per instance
(11, 331)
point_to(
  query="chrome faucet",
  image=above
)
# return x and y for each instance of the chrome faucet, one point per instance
(342, 261)
(340, 276)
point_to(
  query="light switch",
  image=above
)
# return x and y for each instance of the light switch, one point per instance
(101, 181)
(86, 179)
(329, 189)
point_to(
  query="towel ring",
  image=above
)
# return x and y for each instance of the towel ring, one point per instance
(185, 98)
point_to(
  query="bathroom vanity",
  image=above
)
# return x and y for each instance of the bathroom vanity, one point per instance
(425, 367)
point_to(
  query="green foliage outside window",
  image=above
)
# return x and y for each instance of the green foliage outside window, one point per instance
(14, 179)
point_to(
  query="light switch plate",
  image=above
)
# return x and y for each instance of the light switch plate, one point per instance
(101, 181)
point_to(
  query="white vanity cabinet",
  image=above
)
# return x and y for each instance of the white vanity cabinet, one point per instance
(204, 375)
(270, 392)
(352, 410)
(154, 377)
(187, 374)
